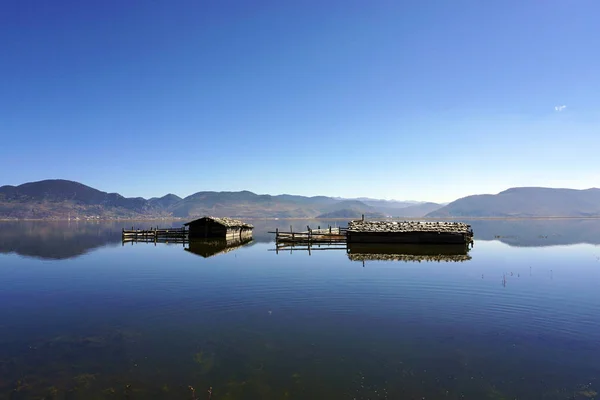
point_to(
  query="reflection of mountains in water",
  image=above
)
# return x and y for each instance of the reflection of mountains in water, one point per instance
(408, 252)
(60, 240)
(211, 247)
(538, 232)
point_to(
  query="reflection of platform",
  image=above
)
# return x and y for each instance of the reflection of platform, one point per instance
(211, 247)
(408, 252)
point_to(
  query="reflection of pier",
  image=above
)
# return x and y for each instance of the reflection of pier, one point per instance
(387, 252)
(211, 247)
(310, 247)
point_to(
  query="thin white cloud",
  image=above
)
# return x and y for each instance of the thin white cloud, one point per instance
(559, 108)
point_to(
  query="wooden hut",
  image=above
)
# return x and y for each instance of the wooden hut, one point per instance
(362, 231)
(222, 228)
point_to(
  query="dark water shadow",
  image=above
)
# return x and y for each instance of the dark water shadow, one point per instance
(408, 252)
(212, 247)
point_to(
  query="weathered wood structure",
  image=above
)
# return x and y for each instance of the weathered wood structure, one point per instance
(417, 232)
(310, 236)
(221, 228)
(154, 235)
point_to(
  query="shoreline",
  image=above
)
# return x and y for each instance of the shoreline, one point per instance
(297, 219)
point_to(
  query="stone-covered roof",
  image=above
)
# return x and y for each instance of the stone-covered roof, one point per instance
(408, 226)
(225, 221)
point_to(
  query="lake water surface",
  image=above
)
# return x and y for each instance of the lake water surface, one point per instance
(84, 317)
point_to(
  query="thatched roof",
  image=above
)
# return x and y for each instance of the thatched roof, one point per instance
(225, 221)
(408, 226)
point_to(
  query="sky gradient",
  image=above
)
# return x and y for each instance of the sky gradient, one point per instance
(428, 100)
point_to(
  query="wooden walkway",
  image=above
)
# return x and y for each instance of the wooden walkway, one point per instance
(311, 236)
(155, 235)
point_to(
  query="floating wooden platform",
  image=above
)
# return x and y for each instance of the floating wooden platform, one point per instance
(155, 235)
(311, 236)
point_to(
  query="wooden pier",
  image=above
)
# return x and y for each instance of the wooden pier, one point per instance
(311, 236)
(177, 235)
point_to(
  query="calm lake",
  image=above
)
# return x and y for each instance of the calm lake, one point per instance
(84, 317)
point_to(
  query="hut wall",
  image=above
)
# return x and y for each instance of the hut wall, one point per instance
(207, 229)
(407, 237)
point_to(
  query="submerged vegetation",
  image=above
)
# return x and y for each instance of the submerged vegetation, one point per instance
(108, 366)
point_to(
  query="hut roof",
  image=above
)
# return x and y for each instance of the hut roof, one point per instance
(225, 221)
(408, 226)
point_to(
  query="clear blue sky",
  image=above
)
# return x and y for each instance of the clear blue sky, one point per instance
(427, 100)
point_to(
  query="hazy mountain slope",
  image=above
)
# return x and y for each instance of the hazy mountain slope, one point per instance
(417, 210)
(526, 202)
(166, 202)
(219, 204)
(349, 213)
(248, 204)
(391, 204)
(350, 209)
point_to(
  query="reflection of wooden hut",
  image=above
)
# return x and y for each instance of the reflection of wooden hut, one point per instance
(211, 247)
(223, 228)
(408, 252)
(417, 232)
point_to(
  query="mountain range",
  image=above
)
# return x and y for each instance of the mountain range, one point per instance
(524, 202)
(60, 199)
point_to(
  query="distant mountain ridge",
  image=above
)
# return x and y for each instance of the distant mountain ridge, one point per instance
(59, 199)
(525, 202)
